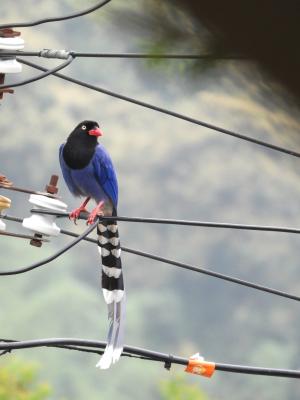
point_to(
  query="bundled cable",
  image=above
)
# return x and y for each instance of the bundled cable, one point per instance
(195, 364)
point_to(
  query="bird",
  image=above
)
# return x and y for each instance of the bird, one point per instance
(88, 172)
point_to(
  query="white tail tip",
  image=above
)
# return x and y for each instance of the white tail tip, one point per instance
(106, 359)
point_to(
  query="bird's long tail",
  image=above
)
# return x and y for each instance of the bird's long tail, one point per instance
(113, 290)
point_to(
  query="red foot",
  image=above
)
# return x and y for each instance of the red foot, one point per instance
(95, 213)
(74, 215)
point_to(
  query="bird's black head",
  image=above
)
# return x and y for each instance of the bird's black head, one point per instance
(87, 129)
(81, 143)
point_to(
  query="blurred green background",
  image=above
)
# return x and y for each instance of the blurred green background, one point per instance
(166, 168)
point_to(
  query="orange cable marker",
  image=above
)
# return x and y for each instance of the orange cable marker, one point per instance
(198, 366)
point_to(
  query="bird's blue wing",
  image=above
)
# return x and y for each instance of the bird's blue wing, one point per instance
(105, 173)
(67, 174)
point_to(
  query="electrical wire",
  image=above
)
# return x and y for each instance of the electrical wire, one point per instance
(41, 76)
(54, 19)
(22, 270)
(85, 344)
(167, 112)
(75, 54)
(156, 258)
(199, 270)
(181, 222)
(17, 235)
(28, 191)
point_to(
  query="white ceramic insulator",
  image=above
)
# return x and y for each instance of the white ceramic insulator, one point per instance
(11, 43)
(2, 226)
(43, 223)
(11, 66)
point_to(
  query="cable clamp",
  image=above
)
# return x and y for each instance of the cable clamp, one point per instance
(168, 362)
(52, 53)
(198, 366)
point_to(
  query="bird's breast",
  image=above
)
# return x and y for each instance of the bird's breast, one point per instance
(77, 157)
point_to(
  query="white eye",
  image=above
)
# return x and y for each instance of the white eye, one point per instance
(83, 127)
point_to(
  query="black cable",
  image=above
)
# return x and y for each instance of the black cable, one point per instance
(41, 76)
(145, 353)
(85, 350)
(54, 19)
(75, 54)
(171, 262)
(50, 258)
(206, 224)
(213, 273)
(167, 112)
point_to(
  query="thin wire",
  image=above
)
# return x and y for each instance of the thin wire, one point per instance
(54, 19)
(167, 112)
(41, 76)
(50, 258)
(71, 343)
(197, 269)
(222, 225)
(171, 262)
(76, 54)
(28, 191)
(214, 274)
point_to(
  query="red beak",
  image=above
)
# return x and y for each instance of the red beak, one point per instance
(95, 132)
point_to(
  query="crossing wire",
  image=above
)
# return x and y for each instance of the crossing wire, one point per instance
(55, 19)
(51, 258)
(41, 76)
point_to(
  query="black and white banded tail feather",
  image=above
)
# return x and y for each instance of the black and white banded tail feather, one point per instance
(113, 290)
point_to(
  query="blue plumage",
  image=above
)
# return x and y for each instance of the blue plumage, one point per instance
(97, 180)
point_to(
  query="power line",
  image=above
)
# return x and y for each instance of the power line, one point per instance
(28, 191)
(214, 274)
(51, 258)
(20, 236)
(189, 267)
(54, 19)
(206, 224)
(93, 345)
(171, 56)
(167, 112)
(41, 76)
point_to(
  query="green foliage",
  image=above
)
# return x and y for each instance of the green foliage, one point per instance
(179, 389)
(19, 381)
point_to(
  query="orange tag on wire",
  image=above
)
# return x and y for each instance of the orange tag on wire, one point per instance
(197, 365)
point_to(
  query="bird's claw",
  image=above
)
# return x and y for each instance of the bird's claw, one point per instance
(97, 212)
(75, 214)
